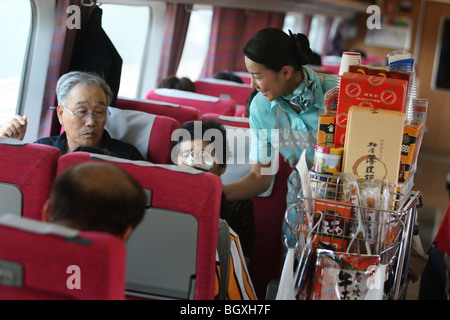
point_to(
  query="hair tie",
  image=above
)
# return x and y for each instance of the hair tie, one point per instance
(301, 45)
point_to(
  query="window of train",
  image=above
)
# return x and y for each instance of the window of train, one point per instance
(317, 33)
(196, 44)
(294, 22)
(15, 25)
(127, 26)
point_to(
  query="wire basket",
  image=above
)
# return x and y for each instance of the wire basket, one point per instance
(327, 221)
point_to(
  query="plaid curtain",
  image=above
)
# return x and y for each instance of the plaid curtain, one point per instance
(230, 31)
(60, 56)
(175, 30)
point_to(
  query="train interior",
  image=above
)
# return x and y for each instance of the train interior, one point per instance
(44, 40)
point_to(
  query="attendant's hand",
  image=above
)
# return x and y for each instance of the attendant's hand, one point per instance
(14, 128)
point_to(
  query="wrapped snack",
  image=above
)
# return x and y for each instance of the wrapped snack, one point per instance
(384, 218)
(351, 194)
(332, 221)
(342, 276)
(371, 199)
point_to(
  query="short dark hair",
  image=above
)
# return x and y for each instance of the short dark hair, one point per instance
(205, 126)
(173, 82)
(227, 75)
(97, 196)
(275, 49)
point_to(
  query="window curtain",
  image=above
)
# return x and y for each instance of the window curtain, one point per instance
(60, 56)
(307, 24)
(175, 30)
(327, 36)
(230, 31)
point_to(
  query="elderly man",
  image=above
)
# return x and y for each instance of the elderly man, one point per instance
(83, 100)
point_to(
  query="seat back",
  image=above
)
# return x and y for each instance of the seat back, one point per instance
(179, 112)
(269, 207)
(245, 76)
(224, 89)
(167, 270)
(189, 197)
(27, 173)
(150, 134)
(202, 102)
(45, 261)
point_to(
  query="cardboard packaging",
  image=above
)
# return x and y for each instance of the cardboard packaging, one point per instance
(326, 129)
(411, 134)
(359, 69)
(370, 91)
(379, 72)
(373, 143)
(334, 227)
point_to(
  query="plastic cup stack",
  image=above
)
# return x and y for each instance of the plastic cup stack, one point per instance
(401, 60)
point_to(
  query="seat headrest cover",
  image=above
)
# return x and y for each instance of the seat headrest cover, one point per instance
(131, 126)
(224, 82)
(185, 95)
(10, 141)
(160, 103)
(171, 167)
(235, 119)
(35, 226)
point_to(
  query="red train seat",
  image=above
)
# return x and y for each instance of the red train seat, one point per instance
(223, 89)
(269, 207)
(179, 112)
(202, 102)
(28, 171)
(175, 191)
(45, 261)
(150, 134)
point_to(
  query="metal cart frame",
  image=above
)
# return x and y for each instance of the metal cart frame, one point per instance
(394, 251)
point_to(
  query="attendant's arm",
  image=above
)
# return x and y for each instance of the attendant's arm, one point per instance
(255, 182)
(14, 128)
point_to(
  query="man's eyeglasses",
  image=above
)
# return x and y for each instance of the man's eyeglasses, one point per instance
(83, 114)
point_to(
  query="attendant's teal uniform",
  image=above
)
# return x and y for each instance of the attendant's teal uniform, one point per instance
(275, 125)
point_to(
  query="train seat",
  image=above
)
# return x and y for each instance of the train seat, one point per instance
(269, 207)
(245, 76)
(45, 261)
(150, 134)
(28, 171)
(181, 223)
(179, 112)
(202, 102)
(223, 89)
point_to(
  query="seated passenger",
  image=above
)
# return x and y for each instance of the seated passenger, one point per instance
(83, 100)
(227, 75)
(208, 147)
(172, 82)
(96, 196)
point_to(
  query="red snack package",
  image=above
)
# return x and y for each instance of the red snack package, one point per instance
(343, 276)
(371, 91)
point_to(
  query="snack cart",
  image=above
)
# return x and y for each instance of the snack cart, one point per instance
(350, 234)
(349, 251)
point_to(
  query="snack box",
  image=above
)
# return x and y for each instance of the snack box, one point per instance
(370, 91)
(411, 135)
(359, 69)
(326, 129)
(334, 227)
(373, 143)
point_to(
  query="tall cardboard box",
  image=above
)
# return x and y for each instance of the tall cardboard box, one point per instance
(370, 91)
(373, 143)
